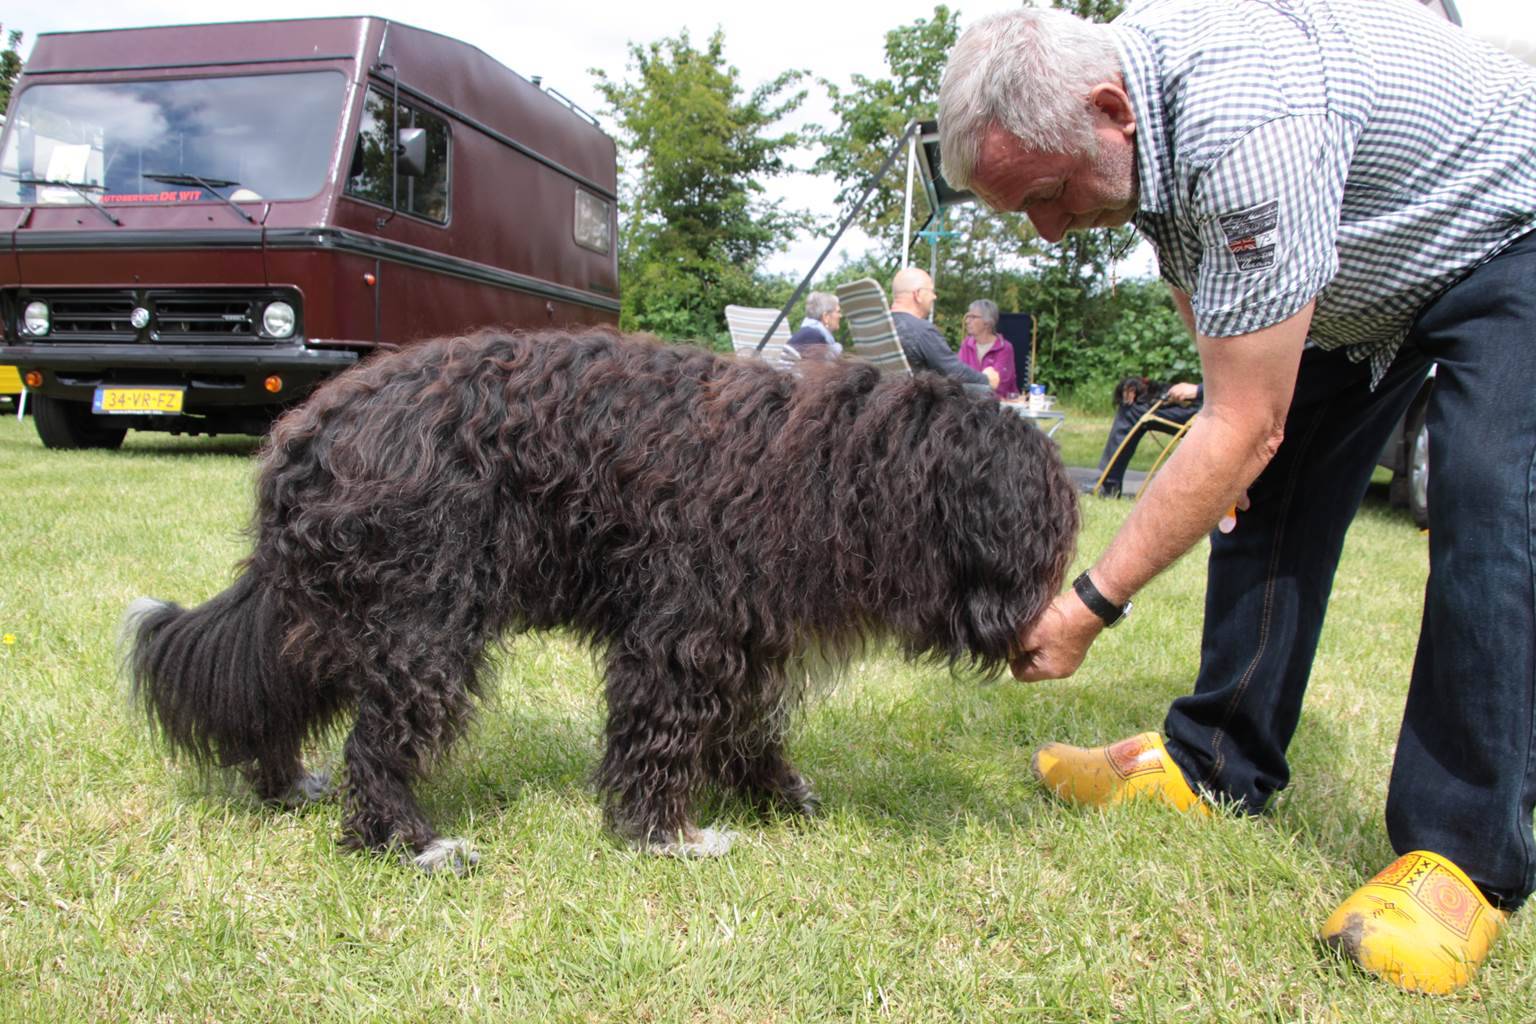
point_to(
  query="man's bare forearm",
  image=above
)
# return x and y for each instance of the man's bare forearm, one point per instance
(1202, 480)
(1248, 385)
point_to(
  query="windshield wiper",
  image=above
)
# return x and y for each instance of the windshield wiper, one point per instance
(78, 188)
(211, 184)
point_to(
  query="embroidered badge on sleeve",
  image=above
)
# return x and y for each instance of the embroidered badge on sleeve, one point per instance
(1250, 235)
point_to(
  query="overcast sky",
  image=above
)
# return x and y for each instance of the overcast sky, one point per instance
(560, 42)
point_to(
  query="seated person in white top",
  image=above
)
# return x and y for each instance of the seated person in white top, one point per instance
(816, 338)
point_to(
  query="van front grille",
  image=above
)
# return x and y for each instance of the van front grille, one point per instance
(179, 318)
(182, 316)
(100, 316)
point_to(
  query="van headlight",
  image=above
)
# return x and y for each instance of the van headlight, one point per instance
(35, 318)
(278, 319)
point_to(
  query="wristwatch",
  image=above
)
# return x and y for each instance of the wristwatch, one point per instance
(1097, 603)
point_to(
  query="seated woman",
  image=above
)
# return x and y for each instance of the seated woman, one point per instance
(984, 349)
(816, 337)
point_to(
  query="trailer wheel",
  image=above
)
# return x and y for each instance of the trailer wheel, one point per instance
(62, 424)
(1418, 468)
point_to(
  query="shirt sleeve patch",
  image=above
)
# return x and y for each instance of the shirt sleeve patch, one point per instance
(1250, 235)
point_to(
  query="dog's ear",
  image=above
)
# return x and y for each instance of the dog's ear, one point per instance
(1122, 392)
(1131, 390)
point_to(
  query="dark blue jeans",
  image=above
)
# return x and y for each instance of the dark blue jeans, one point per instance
(1126, 418)
(1464, 779)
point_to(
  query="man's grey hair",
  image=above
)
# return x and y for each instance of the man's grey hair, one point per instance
(819, 304)
(1030, 72)
(987, 310)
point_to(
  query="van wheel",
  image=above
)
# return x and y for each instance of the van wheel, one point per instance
(62, 424)
(1418, 469)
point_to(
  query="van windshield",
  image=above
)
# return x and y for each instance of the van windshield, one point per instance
(184, 140)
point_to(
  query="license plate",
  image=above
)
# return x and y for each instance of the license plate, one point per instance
(10, 381)
(159, 401)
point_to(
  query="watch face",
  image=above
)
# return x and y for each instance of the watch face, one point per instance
(1124, 613)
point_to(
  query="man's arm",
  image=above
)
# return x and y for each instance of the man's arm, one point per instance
(1186, 310)
(1249, 380)
(1184, 392)
(939, 357)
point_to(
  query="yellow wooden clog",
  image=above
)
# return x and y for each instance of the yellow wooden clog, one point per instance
(1420, 924)
(1138, 766)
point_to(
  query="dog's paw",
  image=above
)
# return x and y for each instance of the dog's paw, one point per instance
(454, 855)
(695, 842)
(809, 805)
(310, 788)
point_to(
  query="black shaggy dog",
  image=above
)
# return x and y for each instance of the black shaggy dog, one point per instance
(703, 522)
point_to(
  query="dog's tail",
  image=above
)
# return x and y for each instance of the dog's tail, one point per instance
(211, 678)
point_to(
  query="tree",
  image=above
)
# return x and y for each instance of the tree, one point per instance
(695, 223)
(991, 255)
(1093, 10)
(10, 67)
(871, 114)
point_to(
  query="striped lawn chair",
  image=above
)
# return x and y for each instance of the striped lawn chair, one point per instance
(869, 320)
(748, 324)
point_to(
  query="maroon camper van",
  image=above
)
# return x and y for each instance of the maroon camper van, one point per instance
(199, 223)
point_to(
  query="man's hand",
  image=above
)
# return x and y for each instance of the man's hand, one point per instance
(1058, 642)
(1183, 393)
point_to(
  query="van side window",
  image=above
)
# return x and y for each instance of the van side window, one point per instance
(424, 195)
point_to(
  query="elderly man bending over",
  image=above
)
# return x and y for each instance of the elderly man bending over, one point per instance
(1362, 174)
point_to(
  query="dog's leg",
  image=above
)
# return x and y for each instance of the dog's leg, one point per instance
(658, 724)
(281, 779)
(381, 811)
(755, 765)
(767, 780)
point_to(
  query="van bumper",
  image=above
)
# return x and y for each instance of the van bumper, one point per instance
(214, 377)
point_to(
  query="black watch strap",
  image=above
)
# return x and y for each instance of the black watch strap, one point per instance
(1097, 603)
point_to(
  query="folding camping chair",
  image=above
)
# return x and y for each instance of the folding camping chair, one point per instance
(748, 324)
(869, 321)
(1019, 329)
(1150, 425)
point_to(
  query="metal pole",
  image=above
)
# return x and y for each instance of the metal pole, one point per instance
(933, 252)
(869, 190)
(906, 211)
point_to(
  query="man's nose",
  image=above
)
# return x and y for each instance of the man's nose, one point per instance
(1050, 222)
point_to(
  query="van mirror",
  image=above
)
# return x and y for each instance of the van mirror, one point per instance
(411, 151)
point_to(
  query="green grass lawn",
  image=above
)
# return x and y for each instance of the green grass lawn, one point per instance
(940, 885)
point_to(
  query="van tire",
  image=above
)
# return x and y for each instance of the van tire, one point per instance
(1416, 457)
(62, 424)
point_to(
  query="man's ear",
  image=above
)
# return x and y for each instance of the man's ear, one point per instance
(1112, 102)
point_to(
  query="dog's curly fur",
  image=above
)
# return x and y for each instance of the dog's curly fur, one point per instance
(701, 521)
(1137, 391)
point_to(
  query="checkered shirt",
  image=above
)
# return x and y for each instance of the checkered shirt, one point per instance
(1361, 152)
